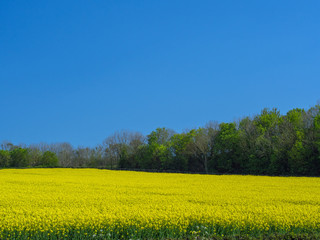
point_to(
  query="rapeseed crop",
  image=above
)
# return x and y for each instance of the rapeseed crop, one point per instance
(104, 204)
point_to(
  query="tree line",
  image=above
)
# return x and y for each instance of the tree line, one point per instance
(266, 144)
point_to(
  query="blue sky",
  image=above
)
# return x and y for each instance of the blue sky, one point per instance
(76, 71)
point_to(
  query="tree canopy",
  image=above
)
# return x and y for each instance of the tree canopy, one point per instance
(268, 143)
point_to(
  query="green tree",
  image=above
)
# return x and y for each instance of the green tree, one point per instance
(157, 154)
(4, 158)
(20, 157)
(317, 133)
(267, 123)
(313, 142)
(179, 149)
(297, 152)
(48, 159)
(226, 149)
(248, 134)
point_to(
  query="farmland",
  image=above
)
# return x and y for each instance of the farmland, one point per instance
(104, 204)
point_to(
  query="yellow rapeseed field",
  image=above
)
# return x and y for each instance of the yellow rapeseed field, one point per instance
(128, 203)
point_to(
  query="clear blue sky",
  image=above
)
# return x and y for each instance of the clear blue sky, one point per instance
(77, 71)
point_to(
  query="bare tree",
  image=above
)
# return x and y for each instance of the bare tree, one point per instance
(114, 144)
(202, 144)
(6, 145)
(64, 152)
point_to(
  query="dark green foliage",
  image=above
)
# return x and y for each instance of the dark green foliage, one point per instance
(5, 159)
(227, 150)
(157, 153)
(181, 159)
(267, 144)
(24, 157)
(20, 157)
(48, 159)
